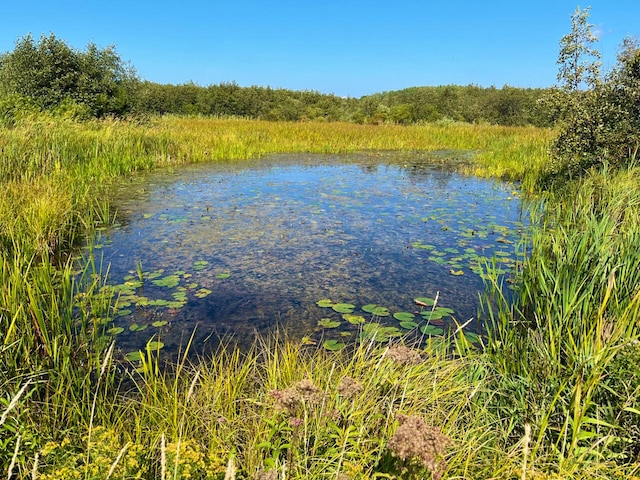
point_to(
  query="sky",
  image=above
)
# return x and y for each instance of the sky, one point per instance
(348, 48)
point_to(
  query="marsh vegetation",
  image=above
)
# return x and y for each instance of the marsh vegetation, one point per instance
(549, 390)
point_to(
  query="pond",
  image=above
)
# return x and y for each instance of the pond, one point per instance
(328, 249)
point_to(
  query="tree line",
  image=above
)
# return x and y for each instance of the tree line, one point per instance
(48, 74)
(597, 115)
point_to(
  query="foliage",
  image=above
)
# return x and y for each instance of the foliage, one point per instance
(52, 74)
(578, 59)
(598, 126)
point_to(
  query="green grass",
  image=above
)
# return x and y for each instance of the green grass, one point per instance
(552, 393)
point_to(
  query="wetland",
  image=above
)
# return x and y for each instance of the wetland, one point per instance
(329, 248)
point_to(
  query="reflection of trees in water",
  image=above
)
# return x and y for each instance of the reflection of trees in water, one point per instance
(439, 175)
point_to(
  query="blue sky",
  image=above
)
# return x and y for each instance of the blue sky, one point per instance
(349, 48)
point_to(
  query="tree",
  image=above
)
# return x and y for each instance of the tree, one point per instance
(51, 73)
(579, 61)
(600, 125)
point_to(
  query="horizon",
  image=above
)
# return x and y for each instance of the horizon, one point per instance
(346, 49)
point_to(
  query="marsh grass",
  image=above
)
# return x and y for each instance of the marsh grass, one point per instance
(549, 394)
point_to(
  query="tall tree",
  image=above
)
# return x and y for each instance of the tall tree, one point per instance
(578, 59)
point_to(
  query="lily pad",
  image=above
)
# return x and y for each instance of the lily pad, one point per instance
(115, 330)
(431, 330)
(203, 292)
(343, 307)
(408, 325)
(333, 345)
(328, 323)
(424, 301)
(324, 303)
(223, 275)
(200, 264)
(353, 319)
(379, 333)
(154, 345)
(404, 316)
(134, 356)
(124, 312)
(134, 327)
(169, 281)
(159, 323)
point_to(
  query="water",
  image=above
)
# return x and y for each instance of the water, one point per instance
(235, 251)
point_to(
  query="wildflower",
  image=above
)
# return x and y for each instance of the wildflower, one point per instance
(404, 355)
(349, 387)
(415, 440)
(289, 399)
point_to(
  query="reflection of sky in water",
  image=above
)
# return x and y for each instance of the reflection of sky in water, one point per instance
(291, 234)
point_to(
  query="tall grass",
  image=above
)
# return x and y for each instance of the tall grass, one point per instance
(550, 396)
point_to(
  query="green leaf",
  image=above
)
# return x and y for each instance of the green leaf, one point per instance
(134, 356)
(431, 330)
(343, 307)
(324, 303)
(154, 345)
(333, 345)
(328, 323)
(404, 316)
(408, 325)
(424, 301)
(353, 319)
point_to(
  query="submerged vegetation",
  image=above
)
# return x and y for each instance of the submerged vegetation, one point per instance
(551, 392)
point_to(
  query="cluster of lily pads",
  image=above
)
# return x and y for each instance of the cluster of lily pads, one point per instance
(132, 304)
(471, 256)
(430, 320)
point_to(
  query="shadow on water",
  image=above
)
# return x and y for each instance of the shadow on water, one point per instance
(303, 243)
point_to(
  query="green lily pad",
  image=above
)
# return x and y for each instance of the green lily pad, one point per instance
(200, 264)
(444, 310)
(369, 308)
(124, 312)
(379, 333)
(223, 275)
(424, 301)
(333, 345)
(154, 345)
(404, 316)
(343, 307)
(115, 330)
(159, 323)
(328, 323)
(203, 292)
(134, 327)
(324, 303)
(169, 281)
(353, 319)
(134, 356)
(432, 314)
(376, 310)
(408, 325)
(431, 330)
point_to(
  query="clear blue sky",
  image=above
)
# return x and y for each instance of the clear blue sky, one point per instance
(346, 47)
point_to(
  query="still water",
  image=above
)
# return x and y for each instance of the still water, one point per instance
(235, 251)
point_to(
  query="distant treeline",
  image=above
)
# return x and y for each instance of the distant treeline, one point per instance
(472, 104)
(49, 75)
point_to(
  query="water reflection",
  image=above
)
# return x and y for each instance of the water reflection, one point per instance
(240, 250)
